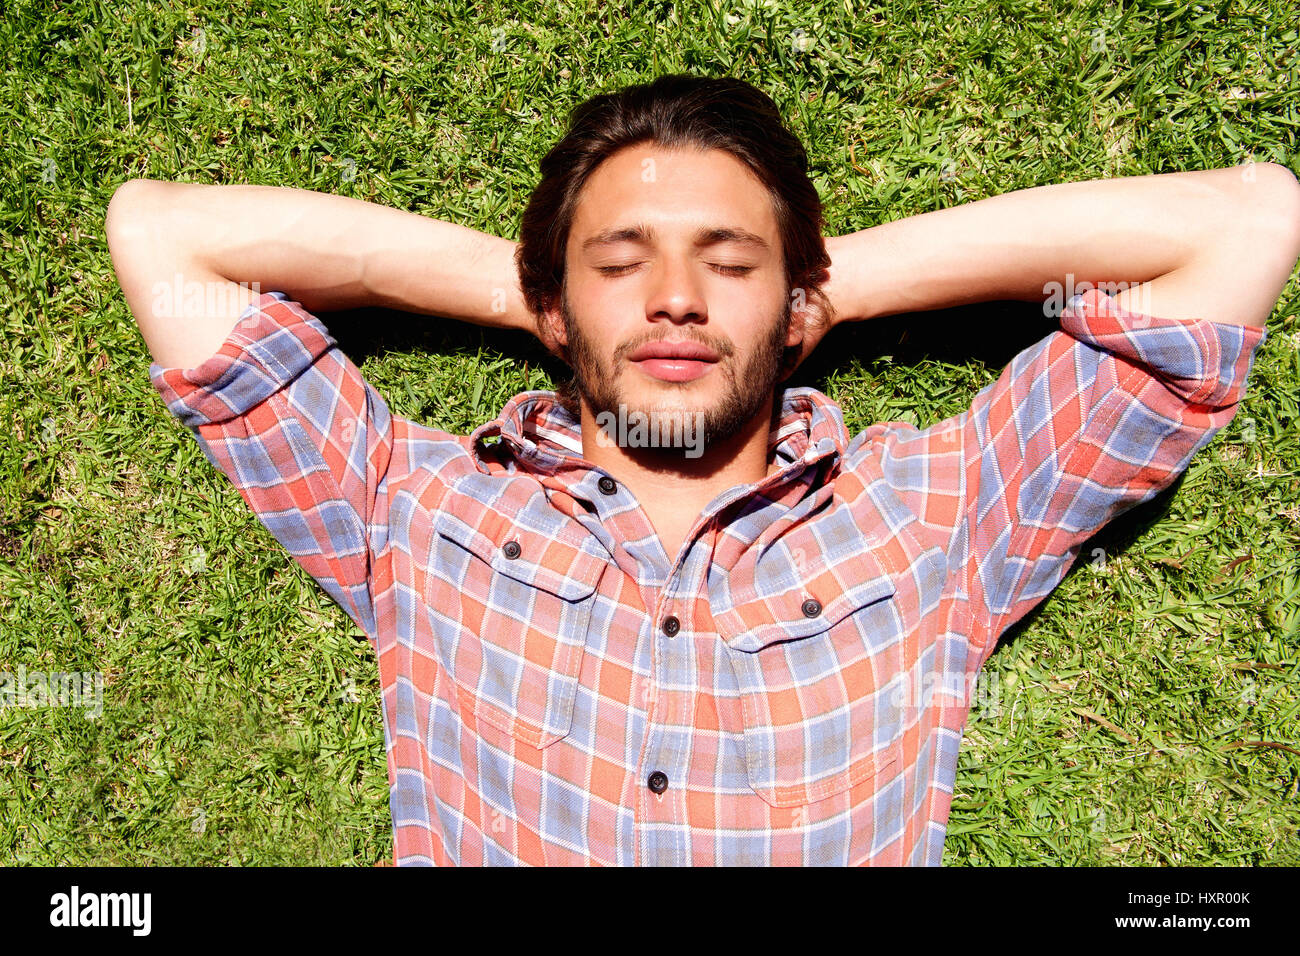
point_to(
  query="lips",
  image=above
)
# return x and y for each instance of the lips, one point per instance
(674, 361)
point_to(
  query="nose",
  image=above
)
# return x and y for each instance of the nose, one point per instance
(676, 293)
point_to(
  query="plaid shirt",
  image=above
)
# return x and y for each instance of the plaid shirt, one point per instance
(793, 690)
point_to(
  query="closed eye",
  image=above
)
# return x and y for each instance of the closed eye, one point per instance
(725, 270)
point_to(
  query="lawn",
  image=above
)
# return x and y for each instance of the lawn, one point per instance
(1147, 713)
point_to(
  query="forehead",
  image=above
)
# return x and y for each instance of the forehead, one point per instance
(673, 190)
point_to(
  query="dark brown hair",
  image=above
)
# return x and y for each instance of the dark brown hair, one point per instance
(673, 111)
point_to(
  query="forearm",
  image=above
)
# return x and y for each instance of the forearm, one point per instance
(1013, 246)
(331, 252)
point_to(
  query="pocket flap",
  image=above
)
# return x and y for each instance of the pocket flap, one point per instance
(755, 607)
(553, 561)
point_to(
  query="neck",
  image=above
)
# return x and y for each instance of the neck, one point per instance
(666, 478)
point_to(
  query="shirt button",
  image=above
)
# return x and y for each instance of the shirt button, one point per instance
(671, 626)
(658, 781)
(511, 550)
(812, 607)
(607, 485)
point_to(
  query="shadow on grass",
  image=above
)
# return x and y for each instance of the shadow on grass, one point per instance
(363, 333)
(989, 332)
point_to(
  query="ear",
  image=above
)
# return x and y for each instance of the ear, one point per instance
(550, 328)
(799, 315)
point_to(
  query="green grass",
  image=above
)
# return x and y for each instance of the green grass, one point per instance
(241, 717)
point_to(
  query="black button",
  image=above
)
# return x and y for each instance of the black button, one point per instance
(512, 549)
(671, 625)
(608, 485)
(812, 607)
(658, 781)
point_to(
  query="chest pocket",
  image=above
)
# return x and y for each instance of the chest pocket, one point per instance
(816, 681)
(511, 608)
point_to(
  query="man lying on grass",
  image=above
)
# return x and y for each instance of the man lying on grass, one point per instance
(675, 613)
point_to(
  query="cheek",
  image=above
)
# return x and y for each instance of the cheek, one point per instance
(593, 341)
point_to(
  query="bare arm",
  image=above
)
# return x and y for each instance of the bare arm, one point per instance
(1216, 244)
(327, 252)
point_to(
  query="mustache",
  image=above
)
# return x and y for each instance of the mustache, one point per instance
(723, 347)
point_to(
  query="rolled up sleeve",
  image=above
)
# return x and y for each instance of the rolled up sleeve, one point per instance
(288, 418)
(1089, 422)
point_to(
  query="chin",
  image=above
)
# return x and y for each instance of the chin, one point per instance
(673, 396)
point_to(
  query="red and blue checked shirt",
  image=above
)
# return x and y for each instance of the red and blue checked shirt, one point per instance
(793, 690)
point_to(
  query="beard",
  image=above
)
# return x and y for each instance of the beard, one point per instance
(747, 390)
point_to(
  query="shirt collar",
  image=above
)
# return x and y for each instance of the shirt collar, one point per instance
(545, 438)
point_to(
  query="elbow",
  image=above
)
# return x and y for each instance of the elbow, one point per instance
(1280, 179)
(128, 196)
(126, 209)
(122, 214)
(1278, 203)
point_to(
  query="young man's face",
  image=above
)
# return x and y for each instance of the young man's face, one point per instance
(675, 299)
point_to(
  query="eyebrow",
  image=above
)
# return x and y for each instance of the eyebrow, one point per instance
(705, 236)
